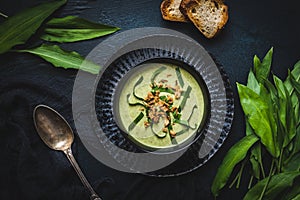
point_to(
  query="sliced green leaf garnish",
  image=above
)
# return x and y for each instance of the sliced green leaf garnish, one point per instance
(20, 27)
(163, 89)
(138, 82)
(173, 140)
(182, 122)
(136, 121)
(134, 103)
(72, 29)
(179, 76)
(157, 72)
(185, 123)
(157, 129)
(182, 131)
(185, 97)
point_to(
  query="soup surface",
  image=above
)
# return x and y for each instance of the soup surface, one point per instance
(159, 105)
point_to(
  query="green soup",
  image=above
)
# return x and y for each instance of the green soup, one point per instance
(160, 105)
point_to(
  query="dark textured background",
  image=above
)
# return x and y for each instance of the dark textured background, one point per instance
(29, 170)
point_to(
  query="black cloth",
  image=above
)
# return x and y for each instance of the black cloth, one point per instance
(30, 170)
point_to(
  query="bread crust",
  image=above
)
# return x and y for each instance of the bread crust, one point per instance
(190, 7)
(169, 6)
(184, 5)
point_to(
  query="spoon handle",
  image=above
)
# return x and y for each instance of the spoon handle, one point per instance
(93, 194)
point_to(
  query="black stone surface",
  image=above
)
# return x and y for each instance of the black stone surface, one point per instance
(30, 170)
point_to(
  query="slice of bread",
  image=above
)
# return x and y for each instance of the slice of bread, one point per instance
(183, 7)
(170, 11)
(209, 16)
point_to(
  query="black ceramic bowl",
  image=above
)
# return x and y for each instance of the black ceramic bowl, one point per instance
(123, 58)
(142, 63)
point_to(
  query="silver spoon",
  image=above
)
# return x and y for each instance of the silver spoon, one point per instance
(57, 134)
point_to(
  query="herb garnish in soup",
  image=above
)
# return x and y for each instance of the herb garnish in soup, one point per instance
(161, 105)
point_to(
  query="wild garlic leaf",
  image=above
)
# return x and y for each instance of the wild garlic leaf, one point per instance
(235, 155)
(258, 114)
(296, 71)
(61, 58)
(293, 193)
(274, 107)
(282, 104)
(273, 92)
(272, 115)
(296, 106)
(270, 96)
(294, 76)
(256, 161)
(296, 143)
(280, 87)
(293, 164)
(252, 82)
(278, 184)
(20, 27)
(292, 117)
(262, 69)
(286, 111)
(256, 62)
(72, 29)
(255, 156)
(296, 86)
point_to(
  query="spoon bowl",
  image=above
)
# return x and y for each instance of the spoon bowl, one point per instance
(53, 128)
(57, 134)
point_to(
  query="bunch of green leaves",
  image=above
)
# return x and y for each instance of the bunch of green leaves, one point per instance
(18, 29)
(271, 147)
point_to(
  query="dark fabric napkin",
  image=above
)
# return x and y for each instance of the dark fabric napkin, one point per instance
(30, 170)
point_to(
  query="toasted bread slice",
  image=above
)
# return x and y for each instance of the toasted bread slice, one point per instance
(183, 7)
(170, 11)
(209, 16)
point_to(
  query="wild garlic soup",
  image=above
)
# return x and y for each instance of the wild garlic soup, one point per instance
(160, 105)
